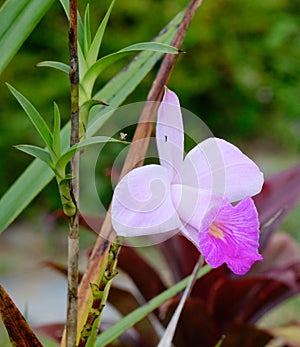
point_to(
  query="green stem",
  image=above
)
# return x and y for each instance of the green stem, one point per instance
(73, 238)
(69, 207)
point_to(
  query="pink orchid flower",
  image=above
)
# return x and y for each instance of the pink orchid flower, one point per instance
(193, 194)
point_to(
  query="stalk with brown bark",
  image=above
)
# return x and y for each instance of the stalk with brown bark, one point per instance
(73, 238)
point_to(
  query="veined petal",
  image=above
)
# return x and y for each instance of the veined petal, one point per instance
(142, 203)
(232, 237)
(169, 132)
(217, 165)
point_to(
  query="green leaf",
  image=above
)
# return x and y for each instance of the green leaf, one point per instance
(55, 65)
(56, 131)
(36, 152)
(80, 28)
(220, 342)
(18, 18)
(95, 46)
(87, 30)
(95, 70)
(131, 319)
(82, 63)
(38, 174)
(34, 116)
(96, 140)
(10, 10)
(66, 6)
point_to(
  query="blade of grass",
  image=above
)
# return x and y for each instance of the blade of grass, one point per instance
(10, 10)
(120, 327)
(17, 27)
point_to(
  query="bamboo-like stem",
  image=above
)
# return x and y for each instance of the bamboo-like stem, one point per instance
(73, 238)
(99, 293)
(134, 159)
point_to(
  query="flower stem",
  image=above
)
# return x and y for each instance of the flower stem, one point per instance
(73, 238)
(100, 293)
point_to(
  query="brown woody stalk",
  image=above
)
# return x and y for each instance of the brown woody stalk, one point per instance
(135, 158)
(73, 238)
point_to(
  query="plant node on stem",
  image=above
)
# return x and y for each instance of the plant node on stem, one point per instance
(73, 239)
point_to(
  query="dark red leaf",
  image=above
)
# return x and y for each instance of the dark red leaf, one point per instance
(52, 330)
(59, 268)
(245, 300)
(20, 334)
(278, 196)
(181, 256)
(125, 302)
(245, 335)
(281, 252)
(141, 272)
(195, 326)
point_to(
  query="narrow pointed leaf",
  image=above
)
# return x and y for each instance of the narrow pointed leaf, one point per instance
(19, 332)
(132, 318)
(80, 28)
(10, 10)
(38, 174)
(18, 18)
(55, 65)
(65, 158)
(95, 70)
(56, 131)
(66, 6)
(36, 152)
(95, 46)
(87, 30)
(34, 116)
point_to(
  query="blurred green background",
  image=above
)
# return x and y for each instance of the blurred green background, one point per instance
(240, 74)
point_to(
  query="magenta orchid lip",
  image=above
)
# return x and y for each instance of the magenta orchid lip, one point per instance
(194, 194)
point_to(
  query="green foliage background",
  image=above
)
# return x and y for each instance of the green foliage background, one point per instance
(240, 73)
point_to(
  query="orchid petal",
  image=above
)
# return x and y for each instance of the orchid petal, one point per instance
(142, 203)
(169, 132)
(232, 238)
(193, 204)
(217, 165)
